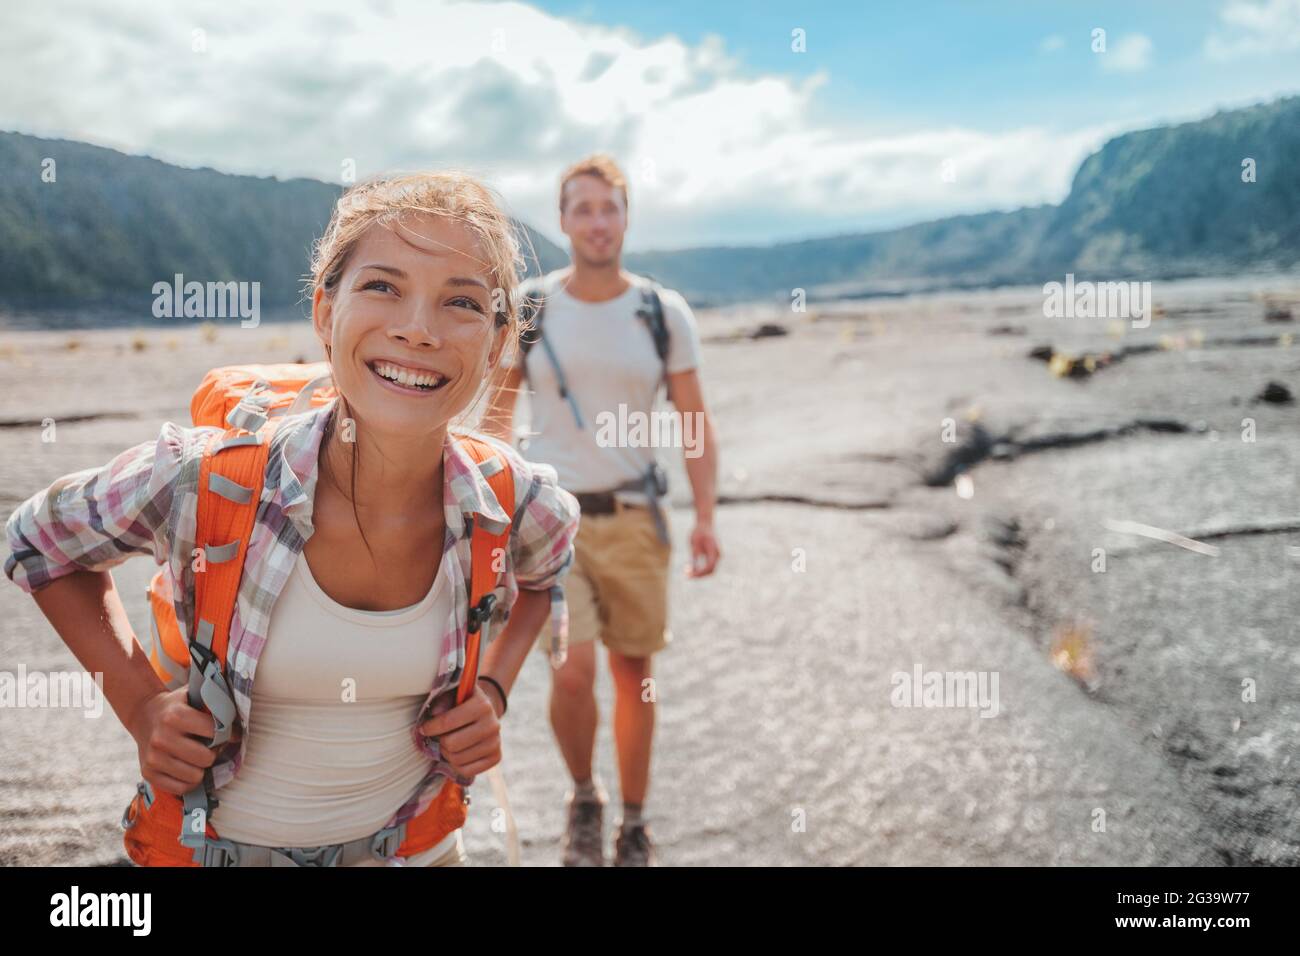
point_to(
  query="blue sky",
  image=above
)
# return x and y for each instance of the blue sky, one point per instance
(895, 112)
(897, 64)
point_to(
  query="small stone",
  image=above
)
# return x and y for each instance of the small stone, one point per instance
(1275, 393)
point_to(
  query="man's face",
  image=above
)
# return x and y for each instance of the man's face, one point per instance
(595, 219)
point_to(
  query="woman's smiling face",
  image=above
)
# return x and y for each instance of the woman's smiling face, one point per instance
(410, 326)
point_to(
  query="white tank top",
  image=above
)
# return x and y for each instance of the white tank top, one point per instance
(330, 755)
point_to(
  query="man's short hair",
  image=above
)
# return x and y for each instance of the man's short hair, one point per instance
(600, 165)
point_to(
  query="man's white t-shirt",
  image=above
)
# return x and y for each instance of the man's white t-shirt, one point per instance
(609, 359)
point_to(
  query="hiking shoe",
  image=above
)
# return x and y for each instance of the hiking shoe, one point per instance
(583, 839)
(633, 846)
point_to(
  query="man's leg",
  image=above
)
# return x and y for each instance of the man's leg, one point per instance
(634, 595)
(634, 724)
(574, 715)
(573, 709)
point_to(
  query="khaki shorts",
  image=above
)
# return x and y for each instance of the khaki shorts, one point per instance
(617, 588)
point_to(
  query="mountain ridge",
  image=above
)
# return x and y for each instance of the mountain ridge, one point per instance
(1154, 203)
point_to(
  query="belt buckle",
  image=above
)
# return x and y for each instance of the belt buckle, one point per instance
(621, 505)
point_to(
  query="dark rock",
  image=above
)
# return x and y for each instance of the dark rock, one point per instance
(768, 330)
(972, 446)
(1041, 352)
(1275, 393)
(1008, 330)
(1277, 313)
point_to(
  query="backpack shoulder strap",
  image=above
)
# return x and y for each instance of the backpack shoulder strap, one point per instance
(231, 474)
(652, 313)
(533, 309)
(485, 549)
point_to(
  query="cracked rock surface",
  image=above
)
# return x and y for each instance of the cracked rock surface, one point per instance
(1148, 697)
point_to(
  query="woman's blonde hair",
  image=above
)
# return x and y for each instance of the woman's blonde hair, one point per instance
(452, 194)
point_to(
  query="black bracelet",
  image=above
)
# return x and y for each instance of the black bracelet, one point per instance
(505, 704)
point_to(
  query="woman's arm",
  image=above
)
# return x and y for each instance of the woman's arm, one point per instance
(506, 654)
(64, 540)
(469, 735)
(86, 610)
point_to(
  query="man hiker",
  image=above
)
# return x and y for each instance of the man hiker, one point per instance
(604, 341)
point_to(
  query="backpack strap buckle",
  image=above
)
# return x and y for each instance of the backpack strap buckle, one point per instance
(479, 613)
(218, 853)
(384, 844)
(327, 855)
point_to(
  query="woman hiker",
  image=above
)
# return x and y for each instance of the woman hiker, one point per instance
(356, 568)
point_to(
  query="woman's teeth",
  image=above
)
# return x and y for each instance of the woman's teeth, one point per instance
(408, 377)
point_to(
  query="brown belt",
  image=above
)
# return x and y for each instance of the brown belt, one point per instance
(601, 502)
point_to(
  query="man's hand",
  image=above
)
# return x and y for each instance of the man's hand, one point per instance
(701, 469)
(469, 735)
(704, 551)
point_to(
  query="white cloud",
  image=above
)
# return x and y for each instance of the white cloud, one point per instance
(1131, 53)
(1255, 28)
(715, 152)
(1051, 44)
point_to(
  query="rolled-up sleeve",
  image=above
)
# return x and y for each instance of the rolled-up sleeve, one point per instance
(97, 518)
(542, 547)
(543, 540)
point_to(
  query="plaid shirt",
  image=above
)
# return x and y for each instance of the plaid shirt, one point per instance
(144, 502)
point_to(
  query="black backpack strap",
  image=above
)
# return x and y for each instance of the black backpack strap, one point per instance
(652, 313)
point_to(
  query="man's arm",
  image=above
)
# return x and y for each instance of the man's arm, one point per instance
(701, 454)
(499, 419)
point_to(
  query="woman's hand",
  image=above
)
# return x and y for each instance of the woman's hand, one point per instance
(469, 735)
(164, 728)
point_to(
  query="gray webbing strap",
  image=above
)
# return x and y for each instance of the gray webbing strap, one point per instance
(221, 552)
(246, 417)
(207, 688)
(302, 401)
(230, 490)
(564, 386)
(650, 487)
(380, 845)
(250, 413)
(235, 441)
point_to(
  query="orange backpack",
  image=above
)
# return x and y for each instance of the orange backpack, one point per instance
(162, 829)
